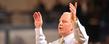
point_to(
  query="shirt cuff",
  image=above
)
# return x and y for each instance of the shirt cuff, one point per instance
(39, 30)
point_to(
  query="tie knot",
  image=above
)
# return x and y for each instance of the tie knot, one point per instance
(62, 40)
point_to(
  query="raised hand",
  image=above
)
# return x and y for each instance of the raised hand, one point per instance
(37, 19)
(73, 10)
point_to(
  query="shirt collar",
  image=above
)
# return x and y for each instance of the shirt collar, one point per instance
(69, 37)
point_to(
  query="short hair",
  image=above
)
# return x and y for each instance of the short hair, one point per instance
(72, 16)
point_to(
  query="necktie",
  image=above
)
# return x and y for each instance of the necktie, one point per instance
(62, 41)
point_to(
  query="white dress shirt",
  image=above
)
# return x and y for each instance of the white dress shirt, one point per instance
(69, 39)
(40, 37)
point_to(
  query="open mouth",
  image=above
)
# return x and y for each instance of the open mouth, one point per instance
(60, 28)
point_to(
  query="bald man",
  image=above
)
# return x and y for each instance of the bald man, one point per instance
(69, 28)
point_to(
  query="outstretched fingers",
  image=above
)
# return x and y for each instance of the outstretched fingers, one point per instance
(75, 4)
(37, 19)
(73, 8)
(36, 16)
(40, 15)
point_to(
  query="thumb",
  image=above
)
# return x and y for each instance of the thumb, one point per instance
(75, 4)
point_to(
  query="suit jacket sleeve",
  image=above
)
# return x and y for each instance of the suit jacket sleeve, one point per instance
(81, 33)
(40, 37)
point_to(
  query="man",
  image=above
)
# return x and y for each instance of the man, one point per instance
(69, 28)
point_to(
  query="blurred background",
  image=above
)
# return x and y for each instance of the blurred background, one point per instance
(17, 25)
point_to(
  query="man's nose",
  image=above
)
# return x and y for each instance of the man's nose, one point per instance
(60, 23)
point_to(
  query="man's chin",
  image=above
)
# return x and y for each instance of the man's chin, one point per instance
(61, 34)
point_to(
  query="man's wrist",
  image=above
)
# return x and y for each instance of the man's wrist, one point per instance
(38, 27)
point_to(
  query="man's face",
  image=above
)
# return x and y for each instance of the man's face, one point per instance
(65, 25)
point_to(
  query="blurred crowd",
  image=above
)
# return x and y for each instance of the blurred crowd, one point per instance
(93, 14)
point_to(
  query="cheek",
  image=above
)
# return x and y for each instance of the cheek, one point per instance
(68, 26)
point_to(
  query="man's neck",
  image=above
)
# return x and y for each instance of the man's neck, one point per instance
(67, 34)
